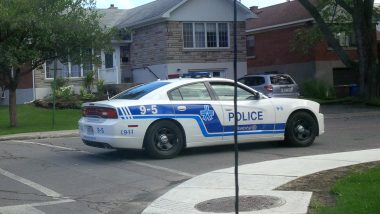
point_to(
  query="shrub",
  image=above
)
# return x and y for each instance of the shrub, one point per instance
(85, 95)
(318, 90)
(65, 92)
(88, 81)
(100, 88)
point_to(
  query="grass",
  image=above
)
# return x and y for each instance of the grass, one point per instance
(33, 119)
(356, 193)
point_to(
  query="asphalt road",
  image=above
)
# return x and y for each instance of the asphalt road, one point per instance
(64, 176)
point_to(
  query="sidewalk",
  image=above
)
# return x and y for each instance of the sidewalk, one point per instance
(259, 179)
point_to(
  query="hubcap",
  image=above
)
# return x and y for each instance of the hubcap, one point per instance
(164, 139)
(302, 130)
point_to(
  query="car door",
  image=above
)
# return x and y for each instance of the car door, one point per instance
(200, 115)
(256, 116)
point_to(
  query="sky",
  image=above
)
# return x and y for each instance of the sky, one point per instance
(126, 4)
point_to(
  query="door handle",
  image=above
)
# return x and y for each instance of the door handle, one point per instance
(181, 108)
(228, 109)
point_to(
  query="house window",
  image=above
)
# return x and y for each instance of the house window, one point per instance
(211, 35)
(109, 60)
(125, 34)
(124, 54)
(251, 46)
(68, 69)
(61, 68)
(205, 35)
(199, 35)
(87, 67)
(345, 39)
(188, 35)
(223, 35)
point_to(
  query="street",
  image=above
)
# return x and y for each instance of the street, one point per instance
(63, 175)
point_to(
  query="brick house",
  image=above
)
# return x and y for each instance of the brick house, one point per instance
(163, 39)
(269, 44)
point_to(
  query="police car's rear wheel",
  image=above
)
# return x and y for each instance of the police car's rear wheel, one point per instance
(301, 129)
(164, 139)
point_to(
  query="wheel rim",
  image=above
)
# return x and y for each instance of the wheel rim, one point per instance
(165, 139)
(302, 130)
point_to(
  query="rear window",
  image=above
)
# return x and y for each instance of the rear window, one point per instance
(281, 80)
(139, 91)
(252, 81)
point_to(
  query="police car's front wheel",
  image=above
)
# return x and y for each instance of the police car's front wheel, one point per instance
(301, 129)
(164, 139)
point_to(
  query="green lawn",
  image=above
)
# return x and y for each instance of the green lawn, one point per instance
(357, 193)
(33, 119)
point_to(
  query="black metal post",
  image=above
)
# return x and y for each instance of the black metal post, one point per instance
(235, 112)
(54, 89)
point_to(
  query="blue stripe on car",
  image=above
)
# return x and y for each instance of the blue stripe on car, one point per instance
(209, 128)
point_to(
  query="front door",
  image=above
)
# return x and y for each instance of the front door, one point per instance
(200, 116)
(109, 73)
(256, 117)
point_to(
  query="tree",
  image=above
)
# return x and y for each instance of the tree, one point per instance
(359, 16)
(34, 31)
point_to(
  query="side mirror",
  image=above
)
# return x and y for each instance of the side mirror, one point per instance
(256, 96)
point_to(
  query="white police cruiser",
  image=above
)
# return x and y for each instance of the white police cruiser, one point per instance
(165, 116)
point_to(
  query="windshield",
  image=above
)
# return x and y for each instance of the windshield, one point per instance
(139, 91)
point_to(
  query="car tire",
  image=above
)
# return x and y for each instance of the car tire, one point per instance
(164, 139)
(301, 129)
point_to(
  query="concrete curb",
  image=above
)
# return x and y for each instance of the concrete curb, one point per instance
(40, 135)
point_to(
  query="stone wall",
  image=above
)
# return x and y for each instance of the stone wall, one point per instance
(149, 45)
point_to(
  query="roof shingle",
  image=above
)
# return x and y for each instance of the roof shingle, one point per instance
(278, 14)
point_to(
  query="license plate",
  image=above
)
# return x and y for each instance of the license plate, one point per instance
(287, 90)
(90, 130)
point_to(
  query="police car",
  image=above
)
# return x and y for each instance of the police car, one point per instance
(166, 116)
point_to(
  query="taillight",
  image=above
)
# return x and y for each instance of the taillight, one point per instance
(269, 88)
(102, 112)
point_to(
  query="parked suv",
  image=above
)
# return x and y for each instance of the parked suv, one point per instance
(272, 85)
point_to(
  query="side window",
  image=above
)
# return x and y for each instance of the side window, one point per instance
(225, 92)
(176, 95)
(253, 81)
(197, 91)
(281, 80)
(259, 80)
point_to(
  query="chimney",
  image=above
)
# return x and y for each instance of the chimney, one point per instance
(112, 6)
(254, 9)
